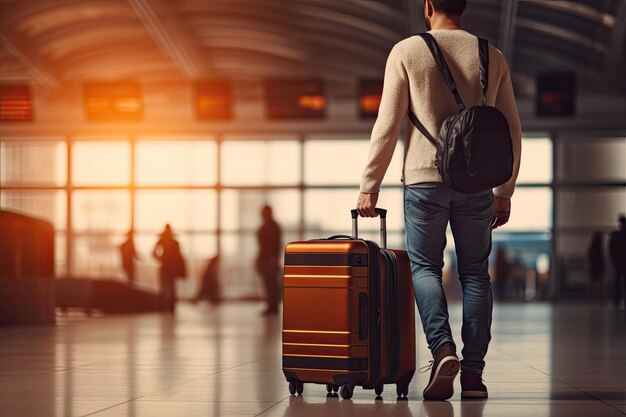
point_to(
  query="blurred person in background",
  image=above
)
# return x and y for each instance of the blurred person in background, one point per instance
(596, 265)
(129, 255)
(503, 271)
(167, 252)
(209, 289)
(269, 238)
(617, 250)
(517, 278)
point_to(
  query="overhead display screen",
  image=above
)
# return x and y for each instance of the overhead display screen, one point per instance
(113, 101)
(15, 103)
(295, 99)
(556, 94)
(214, 100)
(370, 94)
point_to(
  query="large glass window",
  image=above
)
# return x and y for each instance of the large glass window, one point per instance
(536, 162)
(248, 162)
(241, 209)
(101, 211)
(97, 255)
(33, 162)
(335, 161)
(593, 160)
(531, 210)
(50, 205)
(119, 183)
(100, 218)
(328, 211)
(184, 210)
(175, 162)
(101, 163)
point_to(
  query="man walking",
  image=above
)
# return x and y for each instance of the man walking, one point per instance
(269, 238)
(413, 80)
(617, 249)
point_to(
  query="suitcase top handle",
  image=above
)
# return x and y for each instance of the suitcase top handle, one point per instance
(383, 225)
(380, 211)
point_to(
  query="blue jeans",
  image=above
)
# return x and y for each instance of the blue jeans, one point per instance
(428, 207)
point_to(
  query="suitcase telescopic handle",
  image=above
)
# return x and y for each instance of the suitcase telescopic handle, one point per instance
(383, 225)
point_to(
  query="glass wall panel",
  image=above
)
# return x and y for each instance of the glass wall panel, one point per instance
(101, 211)
(237, 272)
(332, 162)
(197, 249)
(260, 163)
(531, 210)
(60, 254)
(593, 160)
(101, 163)
(176, 162)
(97, 255)
(241, 208)
(328, 211)
(33, 162)
(50, 205)
(536, 166)
(598, 207)
(184, 210)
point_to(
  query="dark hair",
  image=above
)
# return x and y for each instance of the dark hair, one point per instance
(449, 7)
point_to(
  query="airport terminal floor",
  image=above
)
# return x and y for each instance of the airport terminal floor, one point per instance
(561, 359)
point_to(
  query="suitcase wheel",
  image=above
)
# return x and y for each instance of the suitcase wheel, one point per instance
(330, 388)
(296, 386)
(346, 391)
(402, 390)
(378, 389)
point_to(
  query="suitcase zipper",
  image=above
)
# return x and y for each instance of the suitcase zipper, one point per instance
(374, 295)
(394, 316)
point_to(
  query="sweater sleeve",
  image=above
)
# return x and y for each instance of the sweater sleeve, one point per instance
(505, 102)
(391, 114)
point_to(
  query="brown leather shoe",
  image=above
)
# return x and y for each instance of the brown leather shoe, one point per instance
(472, 385)
(445, 366)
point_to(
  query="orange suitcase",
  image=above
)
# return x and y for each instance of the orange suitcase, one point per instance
(348, 315)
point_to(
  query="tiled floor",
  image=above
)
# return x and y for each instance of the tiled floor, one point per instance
(544, 360)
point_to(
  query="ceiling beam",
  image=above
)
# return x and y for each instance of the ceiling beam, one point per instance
(508, 20)
(617, 60)
(173, 48)
(37, 71)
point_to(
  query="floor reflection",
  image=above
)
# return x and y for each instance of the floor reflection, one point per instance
(544, 360)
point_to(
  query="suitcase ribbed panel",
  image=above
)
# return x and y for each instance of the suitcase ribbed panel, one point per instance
(322, 336)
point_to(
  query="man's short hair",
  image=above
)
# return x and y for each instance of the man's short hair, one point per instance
(449, 7)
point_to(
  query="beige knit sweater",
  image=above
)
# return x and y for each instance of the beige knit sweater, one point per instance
(411, 68)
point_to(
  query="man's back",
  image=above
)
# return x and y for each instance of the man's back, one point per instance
(411, 67)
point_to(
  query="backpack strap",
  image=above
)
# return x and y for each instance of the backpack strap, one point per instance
(420, 126)
(483, 54)
(443, 68)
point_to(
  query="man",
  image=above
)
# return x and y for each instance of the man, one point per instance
(129, 255)
(167, 251)
(267, 262)
(210, 283)
(617, 250)
(429, 204)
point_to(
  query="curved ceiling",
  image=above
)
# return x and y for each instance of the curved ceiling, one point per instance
(56, 42)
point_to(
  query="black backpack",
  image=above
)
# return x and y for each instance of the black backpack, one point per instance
(474, 147)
